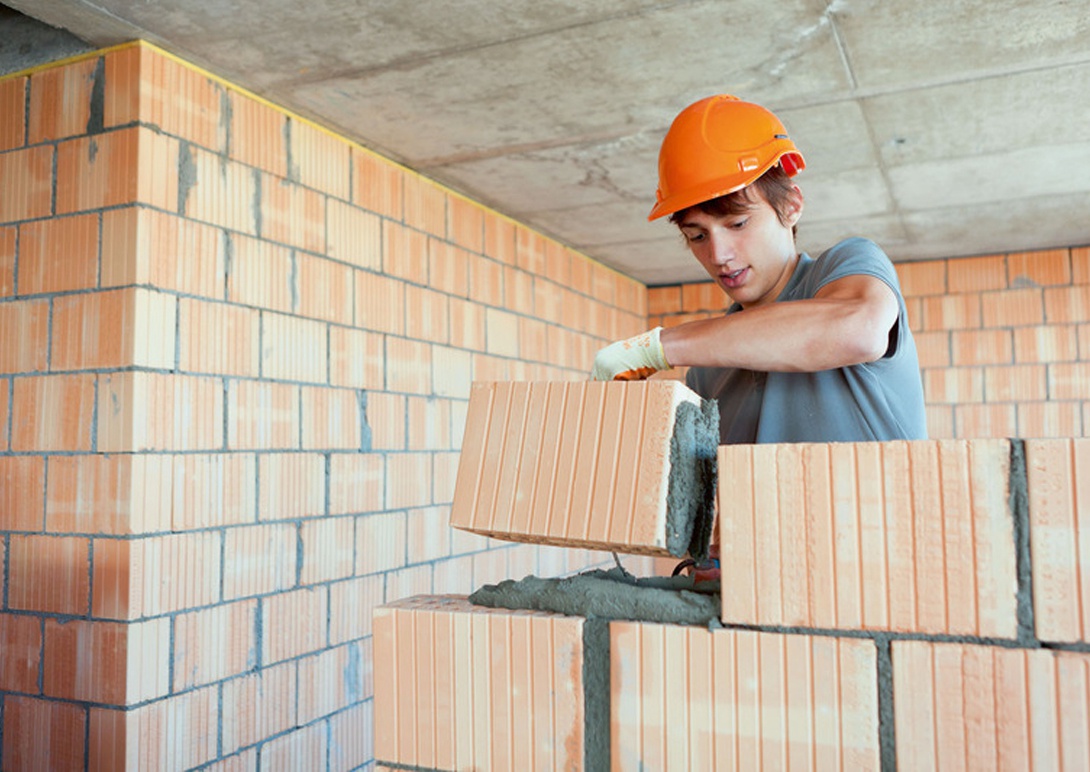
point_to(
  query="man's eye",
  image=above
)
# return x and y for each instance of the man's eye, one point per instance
(739, 224)
(692, 237)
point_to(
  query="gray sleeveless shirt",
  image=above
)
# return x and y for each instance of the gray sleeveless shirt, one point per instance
(881, 400)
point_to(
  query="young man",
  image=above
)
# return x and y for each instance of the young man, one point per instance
(811, 350)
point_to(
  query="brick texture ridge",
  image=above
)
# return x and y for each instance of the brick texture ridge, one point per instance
(902, 536)
(617, 466)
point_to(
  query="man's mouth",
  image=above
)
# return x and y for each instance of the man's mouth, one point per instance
(734, 278)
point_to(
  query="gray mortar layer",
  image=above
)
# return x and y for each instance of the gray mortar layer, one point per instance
(690, 494)
(596, 695)
(1019, 508)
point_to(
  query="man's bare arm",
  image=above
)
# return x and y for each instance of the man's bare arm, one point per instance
(846, 323)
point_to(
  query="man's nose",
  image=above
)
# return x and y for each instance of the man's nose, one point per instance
(722, 250)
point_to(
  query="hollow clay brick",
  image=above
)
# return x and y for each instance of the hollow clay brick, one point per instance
(578, 464)
(1059, 537)
(686, 698)
(906, 536)
(463, 687)
(959, 706)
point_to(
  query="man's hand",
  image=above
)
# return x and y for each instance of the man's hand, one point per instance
(631, 360)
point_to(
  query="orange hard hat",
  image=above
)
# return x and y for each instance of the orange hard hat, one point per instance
(717, 146)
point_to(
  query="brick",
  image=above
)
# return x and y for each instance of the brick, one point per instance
(451, 373)
(1059, 516)
(293, 623)
(976, 274)
(933, 349)
(404, 251)
(377, 183)
(501, 333)
(60, 101)
(1080, 265)
(144, 85)
(24, 347)
(58, 255)
(320, 159)
(530, 249)
(940, 421)
(221, 192)
(262, 415)
(300, 749)
(905, 536)
(429, 423)
(159, 411)
(425, 205)
(332, 681)
(429, 533)
(497, 690)
(293, 349)
(922, 278)
(980, 707)
(292, 214)
(987, 420)
(951, 312)
(380, 303)
(953, 385)
(388, 417)
(328, 550)
(217, 338)
(500, 238)
(52, 412)
(331, 418)
(7, 259)
(1045, 343)
(486, 280)
(325, 289)
(549, 304)
(444, 474)
(106, 662)
(28, 183)
(13, 94)
(351, 738)
(465, 222)
(127, 577)
(518, 292)
(43, 734)
(408, 366)
(408, 480)
(292, 485)
(258, 134)
(689, 698)
(576, 464)
(22, 483)
(448, 268)
(132, 165)
(704, 296)
(981, 347)
(258, 559)
(356, 483)
(5, 415)
(381, 542)
(258, 706)
(1065, 381)
(467, 325)
(20, 652)
(260, 274)
(1041, 268)
(114, 329)
(1018, 383)
(1067, 304)
(351, 604)
(428, 316)
(355, 237)
(356, 358)
(94, 494)
(1013, 308)
(1051, 419)
(178, 732)
(214, 644)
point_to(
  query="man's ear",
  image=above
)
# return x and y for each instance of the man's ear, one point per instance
(795, 203)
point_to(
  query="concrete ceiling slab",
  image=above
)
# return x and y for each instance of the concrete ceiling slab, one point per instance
(937, 128)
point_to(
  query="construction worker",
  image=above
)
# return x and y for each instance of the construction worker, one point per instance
(810, 350)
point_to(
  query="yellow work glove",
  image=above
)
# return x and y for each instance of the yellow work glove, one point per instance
(631, 360)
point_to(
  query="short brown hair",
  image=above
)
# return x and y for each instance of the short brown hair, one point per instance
(774, 186)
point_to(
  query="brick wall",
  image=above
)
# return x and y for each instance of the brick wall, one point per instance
(236, 358)
(1004, 340)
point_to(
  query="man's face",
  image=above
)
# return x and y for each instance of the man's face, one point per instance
(750, 255)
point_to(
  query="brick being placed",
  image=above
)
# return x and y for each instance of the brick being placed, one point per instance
(902, 536)
(621, 466)
(458, 686)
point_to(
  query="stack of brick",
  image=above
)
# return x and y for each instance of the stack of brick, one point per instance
(906, 605)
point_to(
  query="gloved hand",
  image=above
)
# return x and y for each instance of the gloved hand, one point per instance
(631, 360)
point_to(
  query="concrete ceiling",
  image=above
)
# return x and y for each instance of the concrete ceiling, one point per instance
(937, 127)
